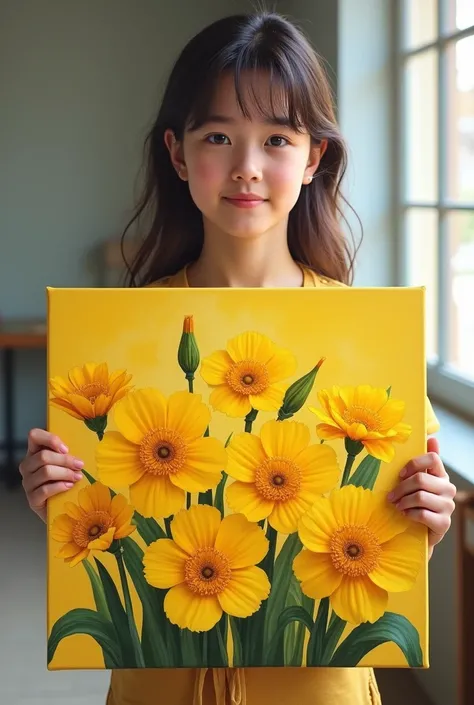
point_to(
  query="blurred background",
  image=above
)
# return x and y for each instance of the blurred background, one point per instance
(80, 84)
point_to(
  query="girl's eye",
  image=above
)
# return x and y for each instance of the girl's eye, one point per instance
(218, 139)
(277, 141)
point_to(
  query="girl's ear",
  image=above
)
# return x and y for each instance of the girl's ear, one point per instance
(175, 149)
(315, 155)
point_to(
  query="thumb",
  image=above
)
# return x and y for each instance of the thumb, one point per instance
(433, 445)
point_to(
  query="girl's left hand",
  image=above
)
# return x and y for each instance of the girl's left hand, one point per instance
(425, 493)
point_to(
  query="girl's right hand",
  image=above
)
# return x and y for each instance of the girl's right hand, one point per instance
(47, 469)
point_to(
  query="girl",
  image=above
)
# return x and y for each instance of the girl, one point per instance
(245, 163)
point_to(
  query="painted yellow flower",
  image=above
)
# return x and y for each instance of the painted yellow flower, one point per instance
(90, 391)
(91, 524)
(365, 414)
(279, 475)
(159, 450)
(357, 550)
(209, 567)
(248, 375)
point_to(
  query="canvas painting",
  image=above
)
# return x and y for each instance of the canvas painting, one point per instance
(239, 446)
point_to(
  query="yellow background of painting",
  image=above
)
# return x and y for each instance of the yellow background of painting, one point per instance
(368, 336)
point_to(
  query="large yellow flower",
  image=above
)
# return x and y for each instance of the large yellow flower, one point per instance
(159, 450)
(92, 524)
(365, 414)
(209, 566)
(247, 375)
(90, 391)
(357, 550)
(279, 475)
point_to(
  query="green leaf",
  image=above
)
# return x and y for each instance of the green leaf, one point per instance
(148, 528)
(282, 576)
(366, 637)
(219, 499)
(156, 651)
(316, 641)
(238, 655)
(274, 656)
(118, 616)
(85, 621)
(366, 473)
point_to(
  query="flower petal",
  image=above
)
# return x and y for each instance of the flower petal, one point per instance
(156, 496)
(196, 527)
(245, 454)
(242, 497)
(215, 367)
(243, 542)
(102, 543)
(281, 365)
(316, 573)
(399, 564)
(139, 412)
(382, 449)
(164, 564)
(351, 505)
(229, 402)
(190, 611)
(270, 399)
(187, 415)
(118, 461)
(316, 528)
(284, 440)
(385, 520)
(358, 600)
(244, 594)
(251, 346)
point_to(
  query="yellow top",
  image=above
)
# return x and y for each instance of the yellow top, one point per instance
(252, 686)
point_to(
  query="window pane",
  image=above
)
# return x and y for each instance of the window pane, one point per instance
(461, 288)
(460, 134)
(459, 14)
(420, 22)
(421, 119)
(422, 267)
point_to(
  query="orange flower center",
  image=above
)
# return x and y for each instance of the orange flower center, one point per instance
(162, 452)
(207, 572)
(90, 527)
(355, 550)
(93, 390)
(278, 479)
(361, 414)
(248, 377)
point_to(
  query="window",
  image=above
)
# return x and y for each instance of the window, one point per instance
(436, 185)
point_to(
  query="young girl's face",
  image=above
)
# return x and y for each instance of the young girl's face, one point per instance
(245, 175)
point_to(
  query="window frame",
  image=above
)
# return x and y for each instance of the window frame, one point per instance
(446, 386)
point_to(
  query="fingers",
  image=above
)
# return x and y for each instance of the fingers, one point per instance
(37, 499)
(422, 481)
(38, 439)
(430, 462)
(438, 524)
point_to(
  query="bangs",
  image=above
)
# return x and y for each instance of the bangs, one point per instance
(284, 96)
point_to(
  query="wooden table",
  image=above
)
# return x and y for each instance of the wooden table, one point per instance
(15, 334)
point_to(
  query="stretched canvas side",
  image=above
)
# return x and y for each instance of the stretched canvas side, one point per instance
(239, 446)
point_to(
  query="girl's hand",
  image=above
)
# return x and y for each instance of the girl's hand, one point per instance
(47, 469)
(425, 493)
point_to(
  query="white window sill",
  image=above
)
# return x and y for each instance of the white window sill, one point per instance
(456, 440)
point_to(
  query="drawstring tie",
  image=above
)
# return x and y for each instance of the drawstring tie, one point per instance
(229, 686)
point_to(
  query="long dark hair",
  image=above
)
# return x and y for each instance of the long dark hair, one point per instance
(173, 223)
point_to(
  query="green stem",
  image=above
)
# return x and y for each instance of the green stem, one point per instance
(249, 419)
(137, 649)
(347, 469)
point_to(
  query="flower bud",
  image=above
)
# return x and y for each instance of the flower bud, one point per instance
(297, 394)
(188, 351)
